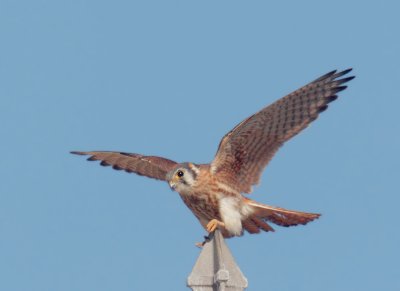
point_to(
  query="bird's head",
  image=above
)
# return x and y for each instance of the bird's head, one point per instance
(182, 177)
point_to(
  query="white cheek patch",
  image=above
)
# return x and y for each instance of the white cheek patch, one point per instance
(229, 208)
(194, 168)
(184, 186)
(189, 179)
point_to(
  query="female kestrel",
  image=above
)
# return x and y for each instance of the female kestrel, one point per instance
(213, 192)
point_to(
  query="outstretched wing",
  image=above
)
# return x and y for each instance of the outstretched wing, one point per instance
(149, 166)
(244, 152)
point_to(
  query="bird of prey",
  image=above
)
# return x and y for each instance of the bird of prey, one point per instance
(214, 192)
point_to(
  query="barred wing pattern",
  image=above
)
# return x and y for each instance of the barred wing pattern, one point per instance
(244, 152)
(149, 166)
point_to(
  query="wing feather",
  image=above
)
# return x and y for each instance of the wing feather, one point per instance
(149, 166)
(244, 152)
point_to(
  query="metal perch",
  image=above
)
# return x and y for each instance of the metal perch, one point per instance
(216, 269)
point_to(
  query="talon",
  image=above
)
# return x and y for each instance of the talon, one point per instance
(213, 224)
(207, 238)
(211, 227)
(200, 244)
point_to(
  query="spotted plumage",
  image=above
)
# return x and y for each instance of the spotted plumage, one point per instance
(214, 192)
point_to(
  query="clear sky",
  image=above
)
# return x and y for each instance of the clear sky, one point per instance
(170, 78)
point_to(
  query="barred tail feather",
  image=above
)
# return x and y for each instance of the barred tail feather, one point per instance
(265, 213)
(255, 224)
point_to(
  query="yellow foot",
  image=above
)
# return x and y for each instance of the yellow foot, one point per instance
(213, 224)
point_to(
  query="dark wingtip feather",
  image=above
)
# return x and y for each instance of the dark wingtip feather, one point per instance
(342, 73)
(322, 108)
(332, 75)
(118, 168)
(327, 75)
(338, 89)
(332, 98)
(345, 80)
(103, 163)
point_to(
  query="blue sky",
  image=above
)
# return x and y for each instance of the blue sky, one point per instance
(170, 78)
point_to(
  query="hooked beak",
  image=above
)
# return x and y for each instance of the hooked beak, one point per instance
(172, 185)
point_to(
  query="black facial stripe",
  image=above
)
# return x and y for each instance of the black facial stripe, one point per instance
(189, 169)
(186, 169)
(194, 174)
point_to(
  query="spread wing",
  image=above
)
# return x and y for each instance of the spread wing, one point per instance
(149, 166)
(244, 152)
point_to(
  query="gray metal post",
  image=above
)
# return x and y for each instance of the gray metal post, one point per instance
(215, 269)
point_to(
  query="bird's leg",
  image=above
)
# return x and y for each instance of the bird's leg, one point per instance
(213, 224)
(207, 238)
(211, 227)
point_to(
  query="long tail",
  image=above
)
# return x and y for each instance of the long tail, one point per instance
(280, 216)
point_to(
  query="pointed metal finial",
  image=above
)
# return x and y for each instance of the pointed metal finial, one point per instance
(216, 269)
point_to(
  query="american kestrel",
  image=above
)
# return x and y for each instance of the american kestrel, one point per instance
(213, 192)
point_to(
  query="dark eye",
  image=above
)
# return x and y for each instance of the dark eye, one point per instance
(179, 173)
